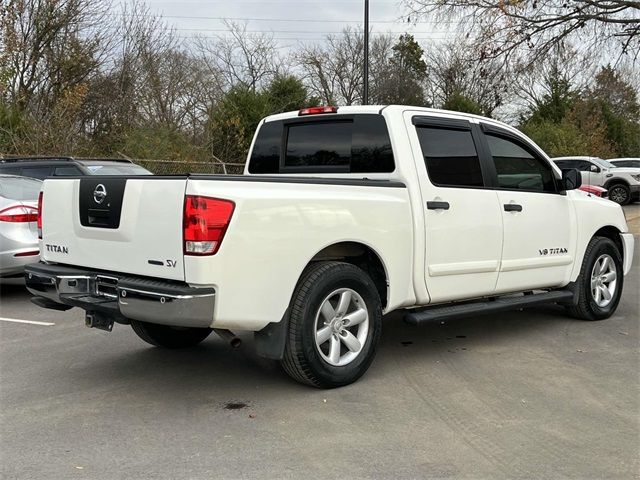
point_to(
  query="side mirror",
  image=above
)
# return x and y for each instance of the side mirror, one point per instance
(595, 169)
(571, 179)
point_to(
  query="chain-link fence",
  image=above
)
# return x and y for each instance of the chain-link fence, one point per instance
(172, 167)
(157, 167)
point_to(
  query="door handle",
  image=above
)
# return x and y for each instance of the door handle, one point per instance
(437, 205)
(512, 207)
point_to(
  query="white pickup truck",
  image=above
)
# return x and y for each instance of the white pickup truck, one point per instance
(342, 216)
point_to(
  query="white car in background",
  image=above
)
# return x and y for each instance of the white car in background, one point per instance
(18, 224)
(623, 183)
(625, 162)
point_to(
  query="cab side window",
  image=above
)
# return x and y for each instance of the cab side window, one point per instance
(450, 156)
(518, 168)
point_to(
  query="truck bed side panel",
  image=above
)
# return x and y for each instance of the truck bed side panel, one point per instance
(277, 229)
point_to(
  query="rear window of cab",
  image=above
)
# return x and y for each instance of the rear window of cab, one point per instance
(337, 144)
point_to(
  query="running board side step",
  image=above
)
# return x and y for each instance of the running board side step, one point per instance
(481, 307)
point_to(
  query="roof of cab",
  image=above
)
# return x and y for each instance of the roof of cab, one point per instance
(379, 109)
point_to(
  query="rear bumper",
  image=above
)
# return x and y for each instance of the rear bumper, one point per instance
(123, 297)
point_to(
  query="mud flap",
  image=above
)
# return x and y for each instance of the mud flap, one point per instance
(271, 340)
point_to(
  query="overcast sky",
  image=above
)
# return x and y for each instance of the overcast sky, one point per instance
(290, 21)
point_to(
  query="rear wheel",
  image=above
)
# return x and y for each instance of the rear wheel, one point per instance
(169, 337)
(335, 323)
(620, 193)
(600, 281)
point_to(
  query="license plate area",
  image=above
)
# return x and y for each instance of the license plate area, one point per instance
(107, 286)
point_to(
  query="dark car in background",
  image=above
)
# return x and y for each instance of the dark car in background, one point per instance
(45, 167)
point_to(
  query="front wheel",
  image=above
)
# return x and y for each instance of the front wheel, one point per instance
(620, 193)
(335, 322)
(169, 337)
(600, 281)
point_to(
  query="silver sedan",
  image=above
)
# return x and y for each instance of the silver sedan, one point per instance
(18, 224)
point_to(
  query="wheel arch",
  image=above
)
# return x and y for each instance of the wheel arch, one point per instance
(608, 231)
(613, 234)
(615, 181)
(362, 256)
(270, 341)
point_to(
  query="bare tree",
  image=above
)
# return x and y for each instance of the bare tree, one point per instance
(402, 75)
(454, 70)
(535, 82)
(50, 47)
(508, 26)
(50, 52)
(379, 65)
(241, 57)
(333, 71)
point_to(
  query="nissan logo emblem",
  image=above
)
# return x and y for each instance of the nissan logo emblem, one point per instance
(99, 194)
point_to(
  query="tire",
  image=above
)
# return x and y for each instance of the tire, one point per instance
(620, 193)
(344, 287)
(169, 337)
(592, 306)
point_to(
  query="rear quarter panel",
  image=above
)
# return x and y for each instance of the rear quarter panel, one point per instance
(276, 229)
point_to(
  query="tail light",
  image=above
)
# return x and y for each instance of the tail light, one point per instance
(317, 111)
(205, 222)
(40, 215)
(19, 214)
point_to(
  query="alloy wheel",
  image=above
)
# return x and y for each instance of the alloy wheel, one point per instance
(341, 327)
(618, 195)
(603, 280)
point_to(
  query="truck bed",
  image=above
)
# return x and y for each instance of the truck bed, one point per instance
(140, 232)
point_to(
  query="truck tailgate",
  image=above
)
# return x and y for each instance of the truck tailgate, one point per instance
(127, 225)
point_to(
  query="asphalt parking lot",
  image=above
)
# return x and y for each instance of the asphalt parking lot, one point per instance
(530, 394)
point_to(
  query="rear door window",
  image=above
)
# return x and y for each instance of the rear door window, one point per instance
(340, 144)
(40, 172)
(450, 156)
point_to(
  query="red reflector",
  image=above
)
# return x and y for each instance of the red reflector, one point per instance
(205, 222)
(317, 110)
(19, 214)
(40, 196)
(30, 253)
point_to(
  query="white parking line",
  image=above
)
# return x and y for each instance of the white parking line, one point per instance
(32, 322)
